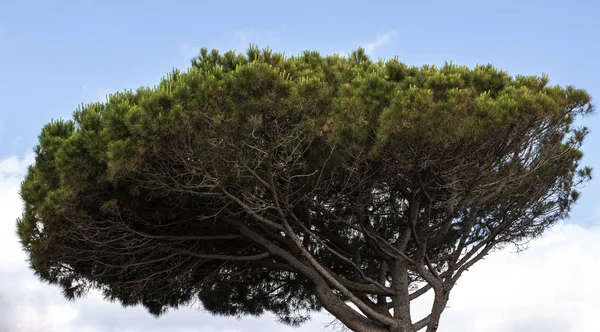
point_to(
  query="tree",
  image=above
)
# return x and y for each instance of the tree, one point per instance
(293, 184)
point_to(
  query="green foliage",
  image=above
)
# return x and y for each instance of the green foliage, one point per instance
(94, 187)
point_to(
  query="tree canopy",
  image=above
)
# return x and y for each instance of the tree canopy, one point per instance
(291, 184)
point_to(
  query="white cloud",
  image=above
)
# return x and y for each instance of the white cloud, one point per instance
(551, 287)
(382, 40)
(12, 170)
(12, 166)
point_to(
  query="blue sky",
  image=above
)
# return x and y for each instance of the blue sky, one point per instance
(55, 55)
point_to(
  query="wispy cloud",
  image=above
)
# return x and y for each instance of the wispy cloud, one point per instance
(190, 51)
(371, 47)
(243, 38)
(92, 95)
(382, 40)
(238, 40)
